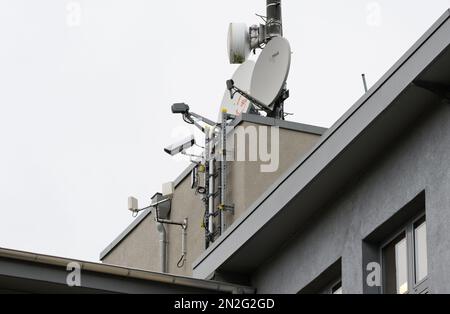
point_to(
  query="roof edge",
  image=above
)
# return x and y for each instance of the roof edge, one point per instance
(283, 124)
(125, 272)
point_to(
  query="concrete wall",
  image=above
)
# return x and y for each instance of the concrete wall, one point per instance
(136, 250)
(418, 162)
(140, 249)
(246, 180)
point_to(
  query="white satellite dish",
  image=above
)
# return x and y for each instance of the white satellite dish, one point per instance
(238, 43)
(271, 71)
(242, 79)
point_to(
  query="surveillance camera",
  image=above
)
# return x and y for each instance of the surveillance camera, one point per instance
(133, 204)
(181, 108)
(180, 146)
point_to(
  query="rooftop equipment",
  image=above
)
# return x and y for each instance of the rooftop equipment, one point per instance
(243, 39)
(242, 78)
(262, 88)
(268, 83)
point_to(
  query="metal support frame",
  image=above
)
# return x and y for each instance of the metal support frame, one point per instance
(207, 190)
(276, 112)
(211, 178)
(183, 224)
(164, 243)
(223, 172)
(209, 183)
(163, 233)
(212, 138)
(236, 90)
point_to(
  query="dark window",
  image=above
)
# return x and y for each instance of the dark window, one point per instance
(404, 260)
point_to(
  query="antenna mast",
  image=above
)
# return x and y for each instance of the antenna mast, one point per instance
(366, 89)
(274, 25)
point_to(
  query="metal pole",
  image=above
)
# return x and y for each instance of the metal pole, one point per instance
(162, 247)
(206, 156)
(365, 83)
(184, 240)
(211, 182)
(223, 172)
(274, 25)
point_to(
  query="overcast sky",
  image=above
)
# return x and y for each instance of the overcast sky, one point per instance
(86, 88)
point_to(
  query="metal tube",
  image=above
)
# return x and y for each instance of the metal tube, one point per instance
(162, 247)
(274, 25)
(184, 240)
(169, 222)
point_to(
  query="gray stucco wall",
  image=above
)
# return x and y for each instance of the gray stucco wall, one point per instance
(136, 251)
(246, 181)
(140, 248)
(418, 162)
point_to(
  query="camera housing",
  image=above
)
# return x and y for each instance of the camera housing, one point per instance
(181, 146)
(180, 108)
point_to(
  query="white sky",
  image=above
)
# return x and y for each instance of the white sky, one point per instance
(85, 99)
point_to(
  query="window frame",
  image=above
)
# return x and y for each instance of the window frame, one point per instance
(408, 229)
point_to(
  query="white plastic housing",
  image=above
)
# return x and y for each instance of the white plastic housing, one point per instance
(238, 43)
(167, 189)
(132, 204)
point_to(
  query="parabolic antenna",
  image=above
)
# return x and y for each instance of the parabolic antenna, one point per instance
(242, 79)
(238, 43)
(271, 71)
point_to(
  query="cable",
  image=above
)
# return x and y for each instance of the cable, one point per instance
(181, 262)
(264, 18)
(187, 120)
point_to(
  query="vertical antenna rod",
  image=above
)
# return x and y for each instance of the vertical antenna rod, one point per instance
(365, 83)
(274, 25)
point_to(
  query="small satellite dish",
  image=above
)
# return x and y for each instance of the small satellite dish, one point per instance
(271, 71)
(238, 43)
(242, 79)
